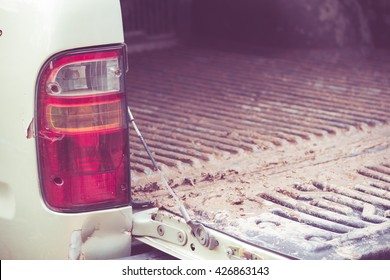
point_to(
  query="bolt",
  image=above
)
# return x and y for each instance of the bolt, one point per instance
(58, 181)
(229, 252)
(118, 73)
(160, 230)
(180, 237)
(53, 88)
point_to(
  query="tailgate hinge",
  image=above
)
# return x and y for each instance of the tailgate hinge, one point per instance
(151, 224)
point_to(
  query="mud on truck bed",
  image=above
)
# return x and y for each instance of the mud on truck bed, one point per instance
(284, 148)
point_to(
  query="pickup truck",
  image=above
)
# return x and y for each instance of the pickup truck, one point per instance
(272, 130)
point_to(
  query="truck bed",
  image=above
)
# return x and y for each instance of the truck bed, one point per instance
(285, 149)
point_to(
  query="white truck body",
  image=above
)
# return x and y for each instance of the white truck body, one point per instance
(33, 31)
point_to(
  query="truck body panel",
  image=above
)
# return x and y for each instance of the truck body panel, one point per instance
(33, 31)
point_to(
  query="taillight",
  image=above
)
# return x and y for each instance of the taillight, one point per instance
(82, 132)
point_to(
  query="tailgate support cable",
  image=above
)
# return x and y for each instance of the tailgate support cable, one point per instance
(198, 229)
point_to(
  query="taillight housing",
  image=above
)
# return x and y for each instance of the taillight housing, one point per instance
(82, 130)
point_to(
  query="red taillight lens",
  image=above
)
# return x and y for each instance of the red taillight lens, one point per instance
(82, 130)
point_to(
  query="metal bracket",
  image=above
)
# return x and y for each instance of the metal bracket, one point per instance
(145, 224)
(202, 235)
(238, 253)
